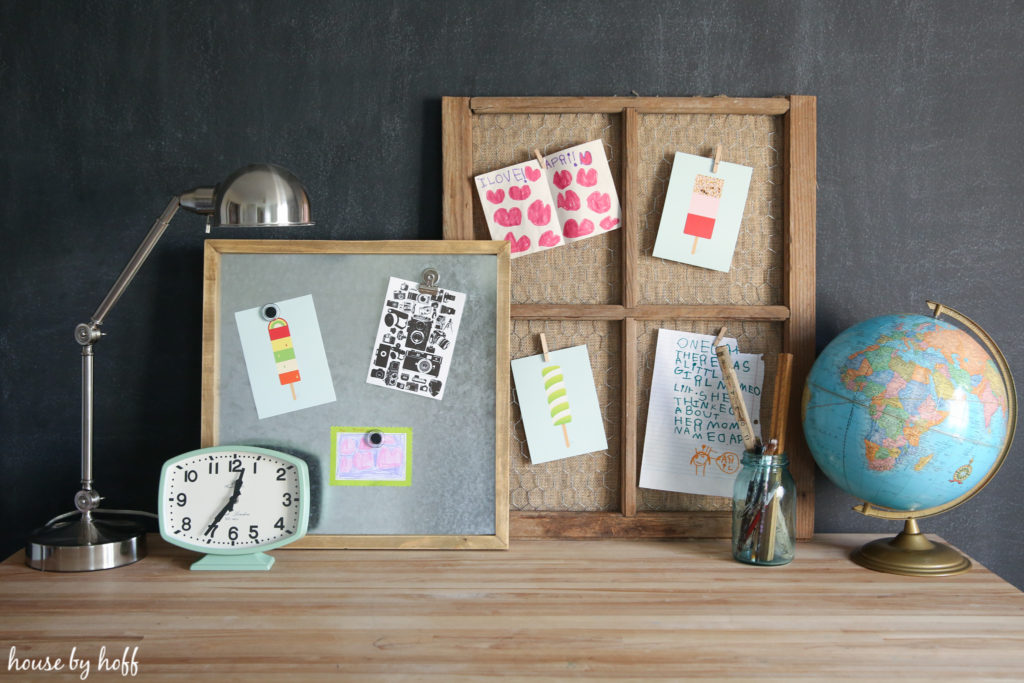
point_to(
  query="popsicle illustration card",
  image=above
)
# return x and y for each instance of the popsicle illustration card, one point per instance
(368, 456)
(559, 405)
(284, 356)
(571, 198)
(703, 211)
(416, 339)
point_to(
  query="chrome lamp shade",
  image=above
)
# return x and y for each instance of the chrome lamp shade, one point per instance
(258, 195)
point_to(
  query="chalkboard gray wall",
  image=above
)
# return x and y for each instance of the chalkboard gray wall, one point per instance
(109, 108)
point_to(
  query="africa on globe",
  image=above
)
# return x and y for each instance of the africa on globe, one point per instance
(906, 412)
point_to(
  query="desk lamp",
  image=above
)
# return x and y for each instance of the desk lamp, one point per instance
(259, 195)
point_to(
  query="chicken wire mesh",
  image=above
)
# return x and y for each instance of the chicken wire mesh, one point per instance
(589, 271)
(584, 482)
(752, 337)
(755, 277)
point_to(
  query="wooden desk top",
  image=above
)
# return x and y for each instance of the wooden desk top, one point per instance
(544, 609)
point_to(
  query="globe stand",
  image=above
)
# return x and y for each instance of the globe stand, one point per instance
(911, 554)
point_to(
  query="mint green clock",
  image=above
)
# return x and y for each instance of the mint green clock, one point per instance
(233, 503)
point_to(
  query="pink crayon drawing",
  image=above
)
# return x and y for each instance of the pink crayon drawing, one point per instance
(599, 202)
(519, 193)
(522, 244)
(536, 199)
(569, 200)
(587, 177)
(360, 462)
(572, 229)
(508, 217)
(562, 179)
(700, 219)
(549, 239)
(539, 213)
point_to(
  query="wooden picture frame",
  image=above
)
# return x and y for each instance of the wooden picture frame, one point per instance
(238, 273)
(485, 133)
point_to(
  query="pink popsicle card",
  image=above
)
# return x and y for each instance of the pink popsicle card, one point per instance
(703, 211)
(571, 199)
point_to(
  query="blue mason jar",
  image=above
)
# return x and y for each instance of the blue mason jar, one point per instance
(764, 511)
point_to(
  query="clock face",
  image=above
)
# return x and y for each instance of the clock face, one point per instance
(231, 500)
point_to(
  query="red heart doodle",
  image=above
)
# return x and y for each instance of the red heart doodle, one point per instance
(599, 202)
(570, 201)
(539, 213)
(508, 218)
(549, 239)
(519, 193)
(585, 177)
(532, 174)
(563, 179)
(496, 196)
(607, 223)
(582, 230)
(585, 158)
(523, 244)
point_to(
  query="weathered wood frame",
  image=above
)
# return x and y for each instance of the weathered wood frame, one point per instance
(211, 355)
(798, 289)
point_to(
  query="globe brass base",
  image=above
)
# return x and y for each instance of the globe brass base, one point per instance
(911, 554)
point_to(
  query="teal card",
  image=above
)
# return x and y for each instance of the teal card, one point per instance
(558, 401)
(703, 212)
(285, 357)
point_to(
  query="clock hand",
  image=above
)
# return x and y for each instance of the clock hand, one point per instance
(227, 508)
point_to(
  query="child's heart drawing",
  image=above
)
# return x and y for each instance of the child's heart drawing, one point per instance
(585, 158)
(508, 218)
(519, 193)
(569, 200)
(532, 174)
(607, 223)
(563, 179)
(522, 244)
(496, 196)
(599, 202)
(572, 229)
(587, 177)
(549, 239)
(539, 213)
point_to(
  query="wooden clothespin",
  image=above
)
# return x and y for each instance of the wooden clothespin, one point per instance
(544, 347)
(718, 157)
(718, 339)
(540, 160)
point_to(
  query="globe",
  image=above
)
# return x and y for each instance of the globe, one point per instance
(909, 413)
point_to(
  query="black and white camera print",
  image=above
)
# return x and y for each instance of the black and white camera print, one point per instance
(416, 339)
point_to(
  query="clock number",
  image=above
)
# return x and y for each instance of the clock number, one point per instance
(254, 467)
(182, 500)
(214, 468)
(233, 533)
(280, 474)
(210, 531)
(279, 524)
(186, 523)
(254, 532)
(191, 475)
(235, 466)
(287, 500)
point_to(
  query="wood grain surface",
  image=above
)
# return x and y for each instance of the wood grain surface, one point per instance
(546, 610)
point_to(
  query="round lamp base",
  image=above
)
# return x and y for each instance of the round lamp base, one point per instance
(85, 544)
(911, 554)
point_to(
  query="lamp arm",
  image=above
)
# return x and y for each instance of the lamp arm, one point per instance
(136, 261)
(87, 334)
